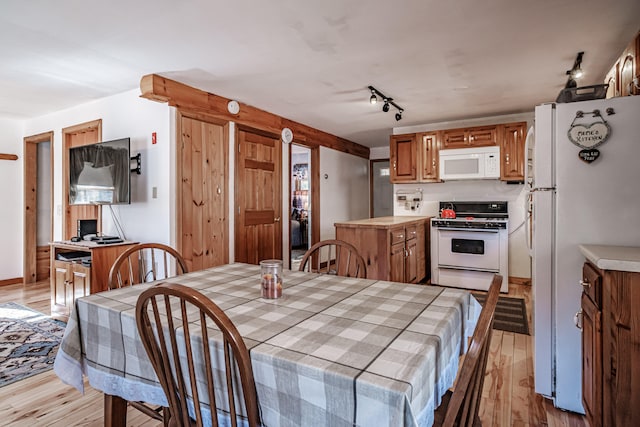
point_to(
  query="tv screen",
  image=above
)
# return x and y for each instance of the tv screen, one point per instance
(100, 174)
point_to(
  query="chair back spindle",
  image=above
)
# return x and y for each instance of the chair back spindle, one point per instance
(334, 257)
(199, 357)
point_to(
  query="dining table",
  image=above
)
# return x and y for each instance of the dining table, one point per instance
(332, 350)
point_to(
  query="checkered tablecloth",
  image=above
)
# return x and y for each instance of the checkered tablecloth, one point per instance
(332, 351)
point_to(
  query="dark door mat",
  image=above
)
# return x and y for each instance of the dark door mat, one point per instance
(511, 314)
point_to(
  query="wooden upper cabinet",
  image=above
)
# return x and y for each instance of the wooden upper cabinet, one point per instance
(403, 158)
(428, 147)
(454, 138)
(483, 136)
(512, 151)
(470, 137)
(621, 76)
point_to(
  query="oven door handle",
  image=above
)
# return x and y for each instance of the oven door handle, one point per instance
(475, 230)
(454, 267)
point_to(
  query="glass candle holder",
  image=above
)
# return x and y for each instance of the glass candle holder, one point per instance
(271, 278)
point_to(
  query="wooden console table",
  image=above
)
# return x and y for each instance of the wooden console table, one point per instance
(73, 279)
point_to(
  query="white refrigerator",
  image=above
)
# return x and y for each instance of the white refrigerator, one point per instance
(573, 203)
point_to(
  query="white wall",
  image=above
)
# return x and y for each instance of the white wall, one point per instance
(11, 216)
(344, 195)
(485, 190)
(124, 115)
(43, 202)
(344, 189)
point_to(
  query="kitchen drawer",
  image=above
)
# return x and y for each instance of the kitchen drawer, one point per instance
(411, 232)
(398, 235)
(592, 283)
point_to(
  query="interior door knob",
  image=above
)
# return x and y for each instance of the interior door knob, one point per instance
(276, 219)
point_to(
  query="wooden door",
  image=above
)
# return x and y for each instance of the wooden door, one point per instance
(202, 205)
(76, 136)
(403, 158)
(591, 361)
(429, 156)
(512, 147)
(258, 197)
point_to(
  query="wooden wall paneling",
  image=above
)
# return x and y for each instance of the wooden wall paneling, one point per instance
(42, 262)
(185, 196)
(198, 202)
(75, 136)
(202, 201)
(161, 89)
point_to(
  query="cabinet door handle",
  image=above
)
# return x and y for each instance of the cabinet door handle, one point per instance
(276, 219)
(585, 285)
(394, 165)
(577, 319)
(506, 158)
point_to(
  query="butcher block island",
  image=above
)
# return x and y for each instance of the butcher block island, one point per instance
(395, 248)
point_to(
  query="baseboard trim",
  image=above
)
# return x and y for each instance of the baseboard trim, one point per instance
(11, 281)
(520, 280)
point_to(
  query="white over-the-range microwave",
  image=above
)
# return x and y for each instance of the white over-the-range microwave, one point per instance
(470, 163)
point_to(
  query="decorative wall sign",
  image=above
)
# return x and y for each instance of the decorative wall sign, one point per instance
(589, 135)
(589, 155)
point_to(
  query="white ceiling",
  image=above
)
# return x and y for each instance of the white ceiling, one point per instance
(311, 61)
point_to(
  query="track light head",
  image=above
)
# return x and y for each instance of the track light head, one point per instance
(388, 102)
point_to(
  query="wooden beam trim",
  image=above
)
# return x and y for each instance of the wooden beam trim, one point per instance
(181, 96)
(4, 156)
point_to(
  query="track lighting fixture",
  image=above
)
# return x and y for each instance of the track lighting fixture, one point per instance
(373, 98)
(388, 102)
(575, 72)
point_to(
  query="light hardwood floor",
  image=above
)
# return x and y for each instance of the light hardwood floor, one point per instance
(508, 397)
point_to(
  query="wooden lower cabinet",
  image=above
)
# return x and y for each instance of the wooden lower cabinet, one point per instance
(72, 279)
(611, 347)
(393, 248)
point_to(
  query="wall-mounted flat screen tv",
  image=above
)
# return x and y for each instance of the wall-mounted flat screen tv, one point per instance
(100, 174)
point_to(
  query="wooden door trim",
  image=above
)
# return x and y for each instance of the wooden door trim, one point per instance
(30, 193)
(314, 159)
(66, 132)
(315, 196)
(185, 113)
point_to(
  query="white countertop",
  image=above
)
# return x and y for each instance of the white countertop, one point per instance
(621, 258)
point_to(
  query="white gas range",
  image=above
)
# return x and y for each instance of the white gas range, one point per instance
(466, 251)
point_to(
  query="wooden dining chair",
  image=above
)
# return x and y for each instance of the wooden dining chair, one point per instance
(334, 257)
(460, 407)
(145, 262)
(174, 321)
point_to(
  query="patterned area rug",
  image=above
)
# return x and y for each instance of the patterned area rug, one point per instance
(511, 314)
(28, 342)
